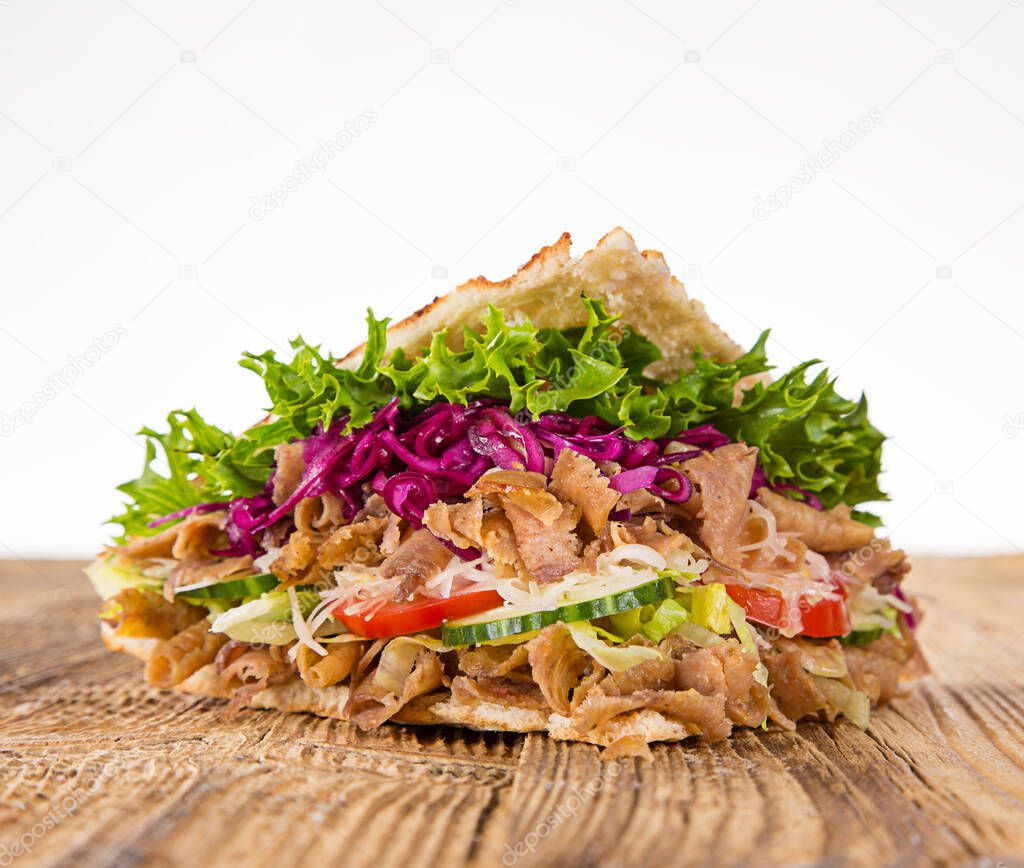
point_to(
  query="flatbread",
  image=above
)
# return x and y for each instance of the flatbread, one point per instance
(297, 696)
(636, 284)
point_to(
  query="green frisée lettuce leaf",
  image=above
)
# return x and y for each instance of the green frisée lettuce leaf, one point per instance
(808, 435)
(311, 388)
(202, 463)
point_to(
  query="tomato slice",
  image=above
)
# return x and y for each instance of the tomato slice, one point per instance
(418, 614)
(818, 620)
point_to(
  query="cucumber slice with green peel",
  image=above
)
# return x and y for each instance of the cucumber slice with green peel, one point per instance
(233, 589)
(511, 621)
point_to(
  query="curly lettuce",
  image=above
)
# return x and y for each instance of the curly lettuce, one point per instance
(808, 435)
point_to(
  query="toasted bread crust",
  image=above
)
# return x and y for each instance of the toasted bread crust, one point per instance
(546, 290)
(296, 695)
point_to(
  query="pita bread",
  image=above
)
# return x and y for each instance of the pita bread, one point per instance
(297, 696)
(635, 284)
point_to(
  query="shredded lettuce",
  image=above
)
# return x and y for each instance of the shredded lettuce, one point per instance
(666, 617)
(738, 618)
(613, 658)
(630, 622)
(807, 434)
(109, 578)
(854, 704)
(710, 608)
(698, 635)
(267, 619)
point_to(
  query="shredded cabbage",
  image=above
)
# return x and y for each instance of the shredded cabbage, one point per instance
(854, 704)
(109, 577)
(665, 618)
(710, 607)
(738, 618)
(614, 659)
(700, 636)
(266, 620)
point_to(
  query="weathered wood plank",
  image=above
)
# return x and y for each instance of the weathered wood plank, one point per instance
(98, 769)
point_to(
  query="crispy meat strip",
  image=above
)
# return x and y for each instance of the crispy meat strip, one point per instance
(723, 477)
(336, 666)
(460, 523)
(369, 704)
(548, 551)
(143, 614)
(288, 471)
(248, 669)
(524, 489)
(194, 536)
(706, 689)
(357, 543)
(175, 659)
(830, 530)
(194, 571)
(875, 564)
(419, 558)
(297, 558)
(558, 664)
(499, 541)
(576, 480)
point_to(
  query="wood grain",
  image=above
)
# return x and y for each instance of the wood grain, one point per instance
(98, 769)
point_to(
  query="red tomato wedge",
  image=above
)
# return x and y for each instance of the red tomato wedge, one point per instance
(819, 620)
(418, 614)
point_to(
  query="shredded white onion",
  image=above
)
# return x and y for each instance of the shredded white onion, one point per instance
(635, 552)
(807, 579)
(685, 562)
(319, 616)
(478, 571)
(774, 540)
(302, 631)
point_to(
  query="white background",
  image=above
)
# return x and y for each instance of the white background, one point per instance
(135, 138)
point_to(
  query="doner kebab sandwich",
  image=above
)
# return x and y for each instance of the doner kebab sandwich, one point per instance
(565, 502)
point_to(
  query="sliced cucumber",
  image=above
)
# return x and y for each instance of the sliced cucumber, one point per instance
(519, 619)
(862, 637)
(234, 589)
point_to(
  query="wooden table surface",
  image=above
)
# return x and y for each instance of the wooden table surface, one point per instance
(98, 769)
